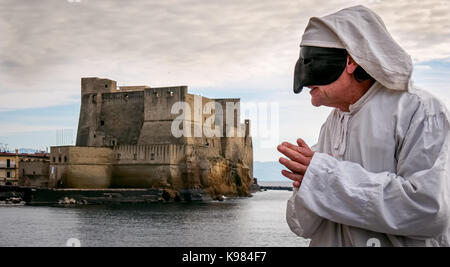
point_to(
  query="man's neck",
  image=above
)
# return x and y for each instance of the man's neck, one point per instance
(356, 91)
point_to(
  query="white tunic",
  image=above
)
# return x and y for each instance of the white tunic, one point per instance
(380, 174)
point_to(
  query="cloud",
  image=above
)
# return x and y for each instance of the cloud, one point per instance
(13, 100)
(423, 67)
(47, 45)
(421, 27)
(15, 128)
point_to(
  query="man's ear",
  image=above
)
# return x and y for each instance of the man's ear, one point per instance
(351, 65)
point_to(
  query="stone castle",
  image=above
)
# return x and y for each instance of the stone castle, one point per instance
(125, 140)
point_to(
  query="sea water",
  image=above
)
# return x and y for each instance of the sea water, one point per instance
(241, 222)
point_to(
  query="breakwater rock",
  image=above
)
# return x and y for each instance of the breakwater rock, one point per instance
(77, 196)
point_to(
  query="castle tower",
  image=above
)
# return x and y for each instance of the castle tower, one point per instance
(92, 89)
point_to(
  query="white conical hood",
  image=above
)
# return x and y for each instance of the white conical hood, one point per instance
(365, 37)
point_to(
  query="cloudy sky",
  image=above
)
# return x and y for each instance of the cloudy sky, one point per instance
(224, 48)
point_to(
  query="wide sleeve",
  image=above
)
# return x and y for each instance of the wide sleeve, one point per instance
(412, 202)
(300, 220)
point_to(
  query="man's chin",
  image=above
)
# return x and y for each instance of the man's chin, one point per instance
(315, 103)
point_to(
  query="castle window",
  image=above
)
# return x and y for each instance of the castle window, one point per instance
(95, 136)
(54, 159)
(135, 156)
(113, 142)
(65, 159)
(170, 93)
(106, 86)
(59, 159)
(8, 175)
(102, 123)
(34, 173)
(118, 155)
(152, 156)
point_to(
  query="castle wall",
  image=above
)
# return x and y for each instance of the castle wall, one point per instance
(147, 165)
(158, 118)
(121, 119)
(197, 118)
(88, 120)
(80, 167)
(153, 153)
(230, 114)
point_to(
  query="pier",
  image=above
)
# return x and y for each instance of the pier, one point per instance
(272, 187)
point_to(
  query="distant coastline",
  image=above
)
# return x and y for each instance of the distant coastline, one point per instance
(268, 171)
(275, 183)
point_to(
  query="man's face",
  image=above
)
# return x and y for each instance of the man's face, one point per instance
(334, 94)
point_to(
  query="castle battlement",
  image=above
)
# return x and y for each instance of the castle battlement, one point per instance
(91, 85)
(122, 97)
(132, 88)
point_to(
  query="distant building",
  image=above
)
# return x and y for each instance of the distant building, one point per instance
(125, 139)
(34, 173)
(13, 165)
(9, 168)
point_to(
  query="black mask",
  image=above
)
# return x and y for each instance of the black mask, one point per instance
(318, 66)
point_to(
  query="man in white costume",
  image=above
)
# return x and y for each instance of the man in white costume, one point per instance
(379, 173)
